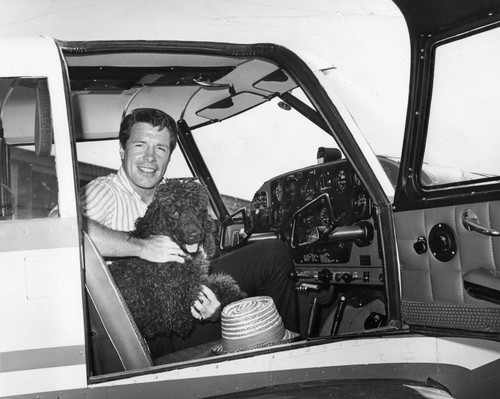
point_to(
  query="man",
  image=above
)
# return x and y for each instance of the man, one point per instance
(111, 204)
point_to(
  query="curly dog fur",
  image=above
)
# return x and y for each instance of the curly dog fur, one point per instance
(159, 295)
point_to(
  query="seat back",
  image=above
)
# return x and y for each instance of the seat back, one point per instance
(117, 344)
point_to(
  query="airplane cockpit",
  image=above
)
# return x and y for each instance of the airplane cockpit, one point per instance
(251, 134)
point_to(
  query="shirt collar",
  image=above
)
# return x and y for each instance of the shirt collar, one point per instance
(125, 183)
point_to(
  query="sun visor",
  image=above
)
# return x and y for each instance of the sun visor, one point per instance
(230, 106)
(276, 82)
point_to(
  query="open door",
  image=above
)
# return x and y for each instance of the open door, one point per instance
(447, 203)
(41, 308)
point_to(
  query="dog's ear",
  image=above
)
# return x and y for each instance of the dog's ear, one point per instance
(150, 223)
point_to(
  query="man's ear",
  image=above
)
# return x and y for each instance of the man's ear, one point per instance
(122, 152)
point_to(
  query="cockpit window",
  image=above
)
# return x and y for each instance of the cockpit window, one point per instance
(28, 180)
(462, 139)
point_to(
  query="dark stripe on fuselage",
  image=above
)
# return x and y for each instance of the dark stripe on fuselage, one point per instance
(42, 358)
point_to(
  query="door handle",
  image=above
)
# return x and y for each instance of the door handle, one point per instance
(471, 223)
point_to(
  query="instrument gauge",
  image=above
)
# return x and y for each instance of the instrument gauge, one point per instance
(259, 200)
(340, 181)
(309, 220)
(307, 190)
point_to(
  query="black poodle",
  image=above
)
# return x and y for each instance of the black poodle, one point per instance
(160, 295)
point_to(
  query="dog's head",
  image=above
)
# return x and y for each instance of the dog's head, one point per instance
(179, 211)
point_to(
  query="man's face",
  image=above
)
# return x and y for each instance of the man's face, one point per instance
(145, 158)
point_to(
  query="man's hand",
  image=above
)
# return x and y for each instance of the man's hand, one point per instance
(160, 249)
(207, 306)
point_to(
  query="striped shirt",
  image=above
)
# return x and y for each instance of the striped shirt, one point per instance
(111, 201)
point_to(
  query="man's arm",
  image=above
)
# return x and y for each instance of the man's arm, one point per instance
(119, 244)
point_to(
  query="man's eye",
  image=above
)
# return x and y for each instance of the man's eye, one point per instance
(162, 149)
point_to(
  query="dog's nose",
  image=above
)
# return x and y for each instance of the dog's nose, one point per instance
(193, 234)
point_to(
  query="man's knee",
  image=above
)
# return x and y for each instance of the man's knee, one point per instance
(274, 246)
(275, 253)
(279, 246)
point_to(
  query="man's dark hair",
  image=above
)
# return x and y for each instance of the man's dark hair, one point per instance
(154, 117)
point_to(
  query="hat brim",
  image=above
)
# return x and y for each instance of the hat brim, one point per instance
(289, 336)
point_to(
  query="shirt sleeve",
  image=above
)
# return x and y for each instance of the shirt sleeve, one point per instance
(97, 199)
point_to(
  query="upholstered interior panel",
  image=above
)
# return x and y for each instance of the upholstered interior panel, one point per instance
(430, 284)
(117, 344)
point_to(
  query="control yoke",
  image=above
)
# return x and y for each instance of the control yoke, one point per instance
(304, 235)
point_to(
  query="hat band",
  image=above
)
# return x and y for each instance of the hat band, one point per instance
(267, 336)
(245, 326)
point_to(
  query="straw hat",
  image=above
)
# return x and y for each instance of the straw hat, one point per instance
(252, 323)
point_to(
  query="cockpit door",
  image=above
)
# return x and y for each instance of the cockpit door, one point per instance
(42, 344)
(447, 202)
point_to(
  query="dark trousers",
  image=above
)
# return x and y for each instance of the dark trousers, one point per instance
(260, 268)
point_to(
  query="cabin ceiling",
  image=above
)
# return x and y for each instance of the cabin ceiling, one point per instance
(199, 89)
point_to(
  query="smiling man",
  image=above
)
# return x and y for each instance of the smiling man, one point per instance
(112, 203)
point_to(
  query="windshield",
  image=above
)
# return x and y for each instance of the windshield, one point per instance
(380, 115)
(244, 142)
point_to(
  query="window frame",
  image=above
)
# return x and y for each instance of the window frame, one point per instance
(411, 193)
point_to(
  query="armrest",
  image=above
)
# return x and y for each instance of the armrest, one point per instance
(483, 284)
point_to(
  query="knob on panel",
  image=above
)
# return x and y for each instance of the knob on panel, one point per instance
(420, 246)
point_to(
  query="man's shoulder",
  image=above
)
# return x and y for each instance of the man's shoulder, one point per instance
(108, 183)
(108, 179)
